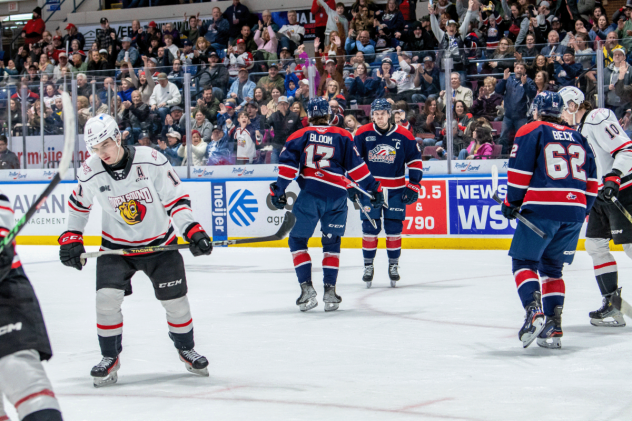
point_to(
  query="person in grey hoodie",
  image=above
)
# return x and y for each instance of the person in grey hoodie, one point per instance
(202, 125)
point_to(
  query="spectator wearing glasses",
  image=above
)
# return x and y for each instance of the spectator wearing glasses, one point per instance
(503, 56)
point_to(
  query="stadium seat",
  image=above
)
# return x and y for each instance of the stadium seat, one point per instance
(430, 151)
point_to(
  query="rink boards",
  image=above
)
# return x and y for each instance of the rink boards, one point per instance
(452, 212)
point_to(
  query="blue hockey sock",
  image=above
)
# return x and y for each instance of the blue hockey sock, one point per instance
(331, 258)
(553, 288)
(300, 256)
(525, 273)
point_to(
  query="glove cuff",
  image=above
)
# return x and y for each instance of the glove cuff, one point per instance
(414, 187)
(613, 178)
(192, 229)
(69, 237)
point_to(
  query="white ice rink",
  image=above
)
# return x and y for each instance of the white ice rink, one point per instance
(443, 345)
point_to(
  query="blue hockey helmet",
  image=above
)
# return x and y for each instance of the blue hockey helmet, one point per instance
(548, 103)
(318, 107)
(381, 104)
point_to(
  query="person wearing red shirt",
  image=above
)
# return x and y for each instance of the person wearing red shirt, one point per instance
(32, 31)
(320, 15)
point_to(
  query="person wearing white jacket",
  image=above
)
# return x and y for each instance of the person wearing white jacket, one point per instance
(164, 96)
(198, 150)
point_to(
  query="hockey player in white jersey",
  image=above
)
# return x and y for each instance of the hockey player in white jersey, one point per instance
(613, 153)
(141, 195)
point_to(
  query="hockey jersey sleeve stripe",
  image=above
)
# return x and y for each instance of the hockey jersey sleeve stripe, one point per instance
(323, 176)
(392, 183)
(620, 147)
(6, 208)
(77, 203)
(592, 187)
(180, 209)
(417, 164)
(518, 179)
(360, 172)
(549, 197)
(170, 204)
(287, 172)
(76, 208)
(180, 203)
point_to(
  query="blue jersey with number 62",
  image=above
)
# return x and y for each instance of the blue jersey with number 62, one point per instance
(552, 172)
(320, 155)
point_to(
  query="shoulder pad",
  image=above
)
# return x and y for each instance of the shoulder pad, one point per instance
(599, 115)
(364, 129)
(90, 167)
(150, 155)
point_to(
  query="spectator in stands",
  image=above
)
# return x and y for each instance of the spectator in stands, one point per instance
(174, 122)
(144, 84)
(226, 113)
(271, 106)
(32, 31)
(170, 148)
(297, 108)
(400, 115)
(202, 52)
(193, 31)
(336, 21)
(530, 49)
(135, 33)
(72, 34)
(238, 15)
(187, 55)
(351, 124)
(566, 70)
(261, 97)
(292, 34)
(291, 84)
(106, 36)
(143, 42)
(202, 125)
(332, 70)
(45, 66)
(273, 80)
(127, 87)
(458, 92)
(216, 30)
(83, 112)
(83, 88)
(542, 64)
(603, 27)
(287, 61)
(198, 150)
(333, 92)
(363, 20)
(461, 117)
(216, 75)
(302, 93)
(265, 22)
(241, 89)
(284, 123)
(168, 29)
(219, 149)
(97, 105)
(518, 91)
(363, 44)
(144, 139)
(427, 79)
(518, 19)
(9, 73)
(136, 115)
(108, 83)
(416, 40)
(554, 42)
(267, 44)
(364, 89)
(481, 146)
(503, 55)
(487, 101)
(581, 47)
(238, 58)
(541, 81)
(8, 160)
(611, 44)
(129, 51)
(100, 67)
(165, 96)
(248, 38)
(403, 80)
(170, 46)
(391, 18)
(208, 104)
(611, 75)
(78, 65)
(320, 16)
(256, 120)
(50, 94)
(428, 121)
(450, 42)
(176, 75)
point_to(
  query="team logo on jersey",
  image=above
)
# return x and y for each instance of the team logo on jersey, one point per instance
(571, 196)
(130, 205)
(383, 153)
(154, 154)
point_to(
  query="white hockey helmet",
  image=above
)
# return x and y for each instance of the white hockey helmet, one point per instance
(571, 93)
(100, 128)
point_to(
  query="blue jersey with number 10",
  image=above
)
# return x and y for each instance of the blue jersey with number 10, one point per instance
(552, 172)
(320, 156)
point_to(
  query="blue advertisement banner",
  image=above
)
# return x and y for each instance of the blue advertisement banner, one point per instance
(219, 214)
(474, 212)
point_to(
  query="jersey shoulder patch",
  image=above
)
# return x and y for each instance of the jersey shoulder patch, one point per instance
(90, 168)
(148, 155)
(598, 116)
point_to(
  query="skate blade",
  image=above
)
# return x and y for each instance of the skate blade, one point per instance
(331, 306)
(617, 321)
(393, 284)
(556, 343)
(528, 338)
(368, 284)
(197, 371)
(105, 381)
(308, 305)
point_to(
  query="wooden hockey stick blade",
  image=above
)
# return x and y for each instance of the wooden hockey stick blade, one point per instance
(494, 178)
(522, 219)
(623, 210)
(283, 231)
(64, 164)
(621, 305)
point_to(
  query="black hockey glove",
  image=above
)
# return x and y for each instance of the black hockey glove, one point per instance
(277, 196)
(6, 260)
(352, 194)
(510, 211)
(411, 194)
(378, 197)
(611, 184)
(199, 241)
(71, 243)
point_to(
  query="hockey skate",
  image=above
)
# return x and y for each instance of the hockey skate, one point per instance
(331, 299)
(307, 300)
(552, 332)
(368, 275)
(104, 373)
(608, 311)
(194, 362)
(393, 274)
(533, 321)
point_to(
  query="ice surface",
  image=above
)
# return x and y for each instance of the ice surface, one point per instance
(443, 345)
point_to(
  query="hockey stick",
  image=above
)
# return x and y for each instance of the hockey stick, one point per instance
(621, 305)
(519, 217)
(64, 164)
(623, 210)
(284, 230)
(365, 212)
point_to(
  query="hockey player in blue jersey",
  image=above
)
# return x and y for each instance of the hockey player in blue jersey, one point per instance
(552, 181)
(387, 149)
(320, 156)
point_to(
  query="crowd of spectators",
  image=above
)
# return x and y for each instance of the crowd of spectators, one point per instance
(250, 87)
